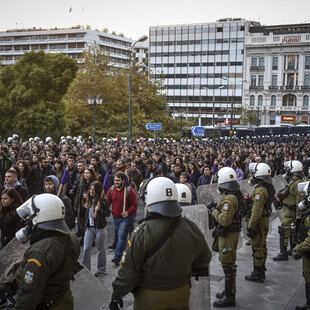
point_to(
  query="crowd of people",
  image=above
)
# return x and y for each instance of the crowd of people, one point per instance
(90, 178)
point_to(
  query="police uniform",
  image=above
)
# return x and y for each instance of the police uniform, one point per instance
(303, 249)
(43, 278)
(290, 211)
(228, 218)
(262, 198)
(162, 280)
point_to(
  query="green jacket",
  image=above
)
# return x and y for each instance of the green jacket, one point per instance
(171, 266)
(259, 198)
(226, 210)
(46, 270)
(305, 245)
(294, 197)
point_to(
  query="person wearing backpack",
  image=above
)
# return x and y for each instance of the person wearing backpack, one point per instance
(257, 230)
(123, 211)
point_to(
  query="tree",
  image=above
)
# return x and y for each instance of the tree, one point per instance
(97, 76)
(31, 95)
(248, 117)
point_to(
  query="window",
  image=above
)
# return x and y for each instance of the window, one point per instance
(254, 62)
(260, 100)
(252, 101)
(305, 101)
(290, 79)
(253, 80)
(274, 80)
(307, 62)
(307, 80)
(275, 62)
(273, 100)
(291, 61)
(260, 80)
(261, 61)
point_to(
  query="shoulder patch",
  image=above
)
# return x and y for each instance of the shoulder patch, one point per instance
(34, 261)
(29, 277)
(257, 196)
(123, 257)
(225, 206)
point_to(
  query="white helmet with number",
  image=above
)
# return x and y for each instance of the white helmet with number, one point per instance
(261, 171)
(184, 194)
(47, 211)
(161, 196)
(294, 167)
(227, 179)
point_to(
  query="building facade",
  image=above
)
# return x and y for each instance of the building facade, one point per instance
(202, 68)
(71, 42)
(277, 70)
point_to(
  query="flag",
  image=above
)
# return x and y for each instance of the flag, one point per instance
(106, 182)
(66, 179)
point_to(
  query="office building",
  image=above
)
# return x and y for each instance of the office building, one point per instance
(202, 68)
(71, 42)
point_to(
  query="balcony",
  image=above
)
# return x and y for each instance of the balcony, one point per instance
(256, 87)
(257, 68)
(305, 87)
(273, 87)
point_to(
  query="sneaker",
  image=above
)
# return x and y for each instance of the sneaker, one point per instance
(99, 274)
(115, 261)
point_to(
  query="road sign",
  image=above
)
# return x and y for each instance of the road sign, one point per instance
(153, 126)
(198, 131)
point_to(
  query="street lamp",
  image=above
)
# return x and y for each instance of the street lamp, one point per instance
(94, 100)
(225, 78)
(213, 107)
(141, 39)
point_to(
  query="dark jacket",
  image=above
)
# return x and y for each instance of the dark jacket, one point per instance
(9, 226)
(69, 217)
(39, 176)
(100, 220)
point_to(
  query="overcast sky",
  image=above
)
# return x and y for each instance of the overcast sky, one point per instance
(133, 17)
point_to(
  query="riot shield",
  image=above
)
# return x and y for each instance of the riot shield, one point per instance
(200, 291)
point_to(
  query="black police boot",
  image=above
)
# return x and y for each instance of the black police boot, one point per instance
(228, 300)
(292, 246)
(283, 252)
(306, 306)
(220, 295)
(256, 276)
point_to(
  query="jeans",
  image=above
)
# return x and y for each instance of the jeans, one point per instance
(100, 235)
(122, 226)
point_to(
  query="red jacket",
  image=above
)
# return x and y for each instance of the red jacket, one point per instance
(117, 201)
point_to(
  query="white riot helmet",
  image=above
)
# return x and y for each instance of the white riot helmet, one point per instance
(261, 171)
(46, 211)
(184, 194)
(161, 196)
(227, 179)
(294, 167)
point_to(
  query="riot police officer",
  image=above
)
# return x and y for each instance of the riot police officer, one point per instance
(290, 201)
(228, 218)
(156, 267)
(43, 277)
(302, 250)
(261, 198)
(184, 195)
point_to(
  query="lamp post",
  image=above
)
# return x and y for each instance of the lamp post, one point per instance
(94, 100)
(213, 101)
(232, 100)
(141, 39)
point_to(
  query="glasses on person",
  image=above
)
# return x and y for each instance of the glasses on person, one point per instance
(117, 180)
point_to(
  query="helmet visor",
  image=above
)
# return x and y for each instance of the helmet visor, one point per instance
(25, 210)
(252, 167)
(287, 165)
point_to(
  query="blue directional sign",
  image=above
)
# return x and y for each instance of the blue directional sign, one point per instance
(153, 126)
(198, 131)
